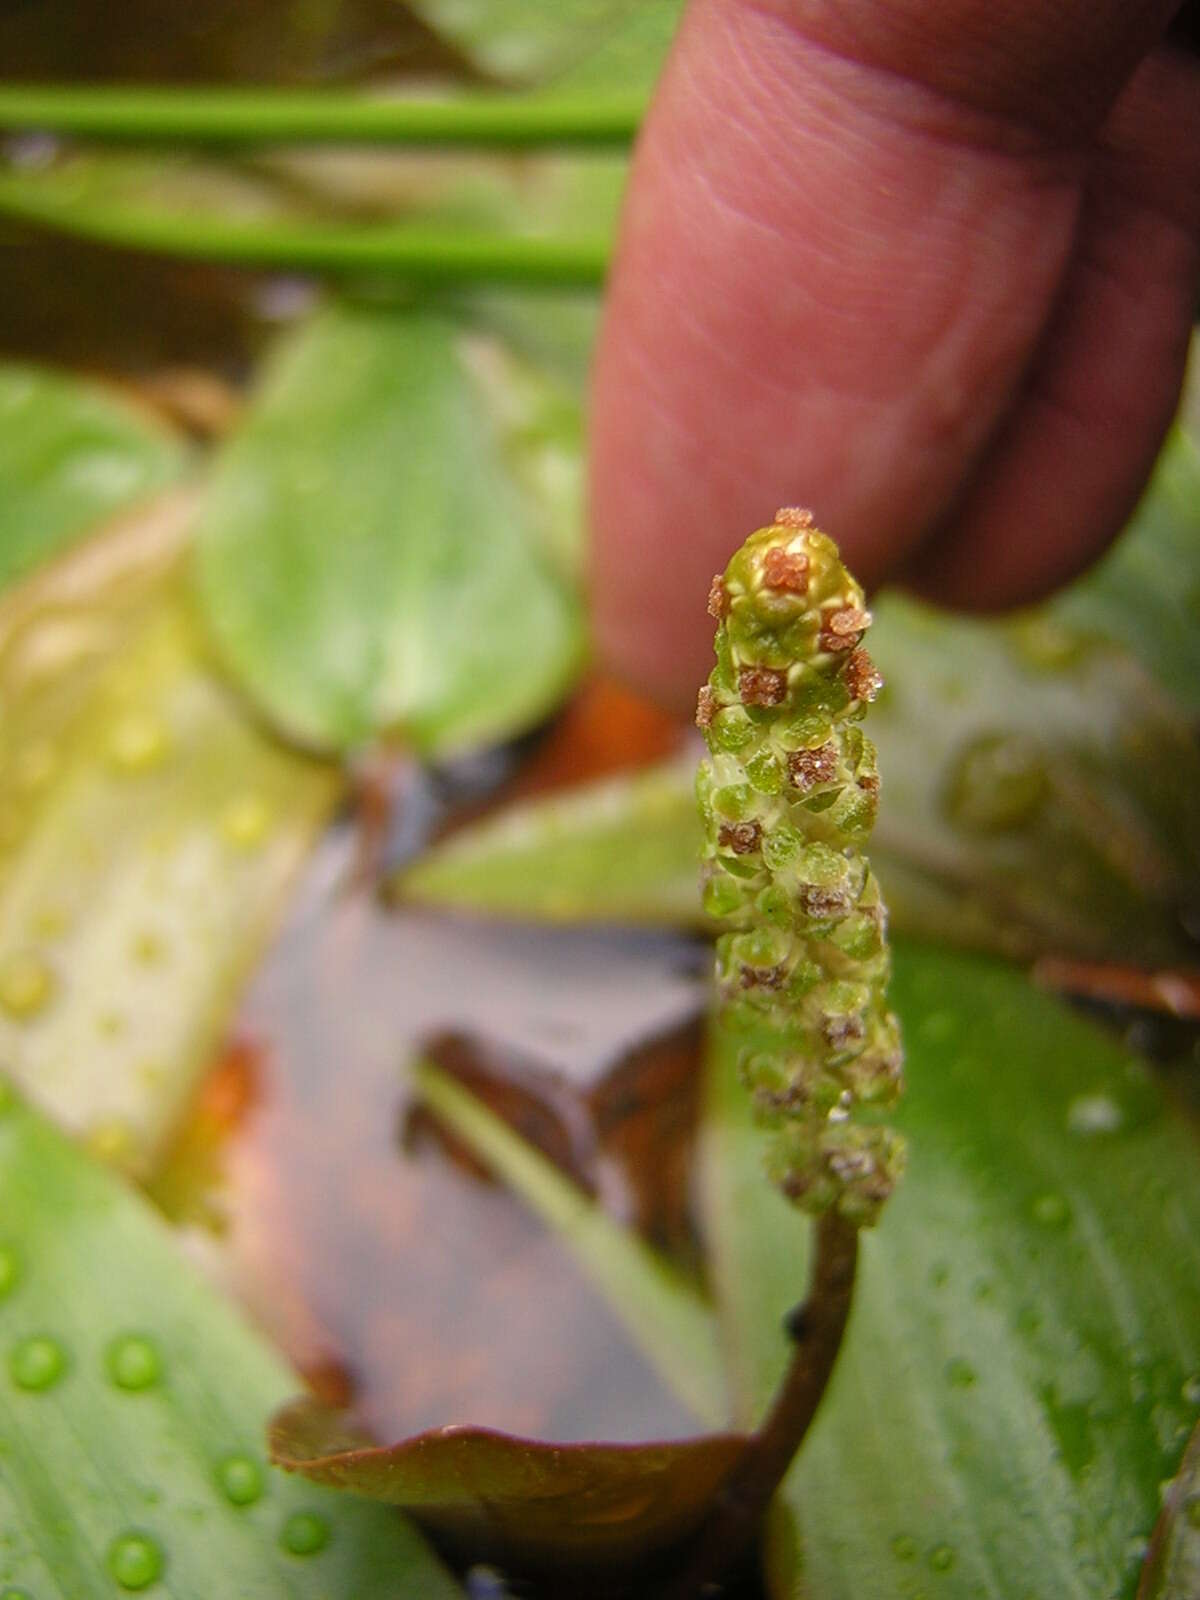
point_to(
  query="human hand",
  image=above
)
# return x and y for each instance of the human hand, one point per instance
(927, 269)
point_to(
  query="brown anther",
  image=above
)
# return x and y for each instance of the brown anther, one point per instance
(761, 977)
(743, 838)
(861, 676)
(762, 686)
(718, 599)
(818, 901)
(842, 1030)
(868, 782)
(841, 630)
(786, 571)
(808, 768)
(793, 517)
(706, 707)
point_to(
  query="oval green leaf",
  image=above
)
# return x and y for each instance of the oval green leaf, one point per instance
(132, 1410)
(71, 454)
(1020, 1369)
(380, 551)
(149, 830)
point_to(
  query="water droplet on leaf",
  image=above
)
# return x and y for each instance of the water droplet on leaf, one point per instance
(1000, 782)
(133, 1362)
(904, 1547)
(304, 1534)
(1091, 1114)
(246, 821)
(137, 743)
(135, 1560)
(941, 1558)
(1051, 1210)
(37, 1363)
(961, 1374)
(241, 1480)
(26, 985)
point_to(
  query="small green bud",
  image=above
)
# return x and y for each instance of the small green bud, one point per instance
(787, 798)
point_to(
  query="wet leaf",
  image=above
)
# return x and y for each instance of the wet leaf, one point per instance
(522, 1502)
(384, 546)
(592, 43)
(661, 1309)
(70, 455)
(148, 831)
(1172, 1570)
(1146, 591)
(132, 1408)
(1038, 797)
(1026, 1334)
(624, 849)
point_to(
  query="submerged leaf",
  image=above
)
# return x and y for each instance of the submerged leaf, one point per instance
(148, 830)
(1026, 1331)
(380, 552)
(131, 1413)
(523, 1502)
(70, 455)
(662, 1311)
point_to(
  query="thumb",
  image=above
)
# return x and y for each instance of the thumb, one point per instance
(844, 233)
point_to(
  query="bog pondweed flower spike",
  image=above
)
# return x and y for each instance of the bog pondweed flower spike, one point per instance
(788, 798)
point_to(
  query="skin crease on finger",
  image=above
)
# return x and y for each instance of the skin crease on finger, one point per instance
(832, 283)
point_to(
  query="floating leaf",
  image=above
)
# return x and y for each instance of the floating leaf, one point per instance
(377, 553)
(1019, 1372)
(1172, 1570)
(661, 1309)
(70, 455)
(148, 830)
(1146, 591)
(1039, 789)
(132, 1403)
(624, 849)
(522, 1502)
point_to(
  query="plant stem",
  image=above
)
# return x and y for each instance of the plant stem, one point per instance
(414, 252)
(266, 116)
(817, 1326)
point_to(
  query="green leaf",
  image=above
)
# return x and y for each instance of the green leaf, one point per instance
(70, 455)
(1172, 1570)
(148, 832)
(381, 551)
(1038, 789)
(132, 1403)
(1019, 1372)
(524, 1502)
(624, 849)
(1146, 591)
(592, 43)
(661, 1309)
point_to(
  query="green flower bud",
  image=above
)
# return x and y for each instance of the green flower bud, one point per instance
(788, 797)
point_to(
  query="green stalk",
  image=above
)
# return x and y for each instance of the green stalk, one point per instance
(272, 116)
(415, 252)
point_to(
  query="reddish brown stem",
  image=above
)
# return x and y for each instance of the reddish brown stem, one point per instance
(817, 1326)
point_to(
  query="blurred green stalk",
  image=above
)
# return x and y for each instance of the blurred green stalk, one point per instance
(270, 116)
(416, 252)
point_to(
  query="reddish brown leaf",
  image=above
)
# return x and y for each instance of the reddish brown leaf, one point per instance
(526, 1503)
